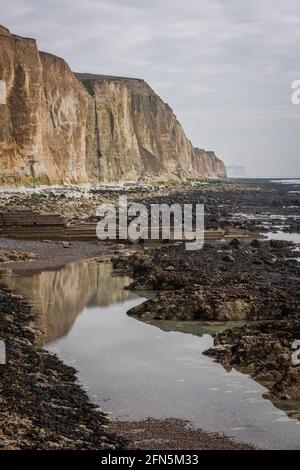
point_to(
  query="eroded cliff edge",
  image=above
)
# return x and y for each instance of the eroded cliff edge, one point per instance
(55, 126)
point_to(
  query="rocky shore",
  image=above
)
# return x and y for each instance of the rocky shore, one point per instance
(255, 281)
(228, 281)
(172, 434)
(255, 205)
(265, 352)
(42, 406)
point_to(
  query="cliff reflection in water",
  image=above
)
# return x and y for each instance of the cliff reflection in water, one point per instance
(58, 297)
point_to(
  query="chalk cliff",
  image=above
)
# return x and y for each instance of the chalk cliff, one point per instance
(56, 126)
(44, 115)
(208, 164)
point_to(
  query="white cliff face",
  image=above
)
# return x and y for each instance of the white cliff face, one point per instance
(138, 134)
(206, 163)
(44, 116)
(119, 156)
(55, 128)
(66, 120)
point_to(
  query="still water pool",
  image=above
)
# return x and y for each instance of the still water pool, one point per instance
(135, 370)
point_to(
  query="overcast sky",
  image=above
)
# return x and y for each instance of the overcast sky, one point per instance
(224, 66)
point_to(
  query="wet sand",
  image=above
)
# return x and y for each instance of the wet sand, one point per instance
(172, 434)
(52, 254)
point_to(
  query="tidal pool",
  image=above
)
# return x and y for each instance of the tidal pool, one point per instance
(287, 181)
(135, 370)
(286, 236)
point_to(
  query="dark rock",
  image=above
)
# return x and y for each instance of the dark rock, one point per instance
(234, 243)
(229, 258)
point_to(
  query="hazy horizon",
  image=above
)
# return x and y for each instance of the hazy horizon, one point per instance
(225, 68)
